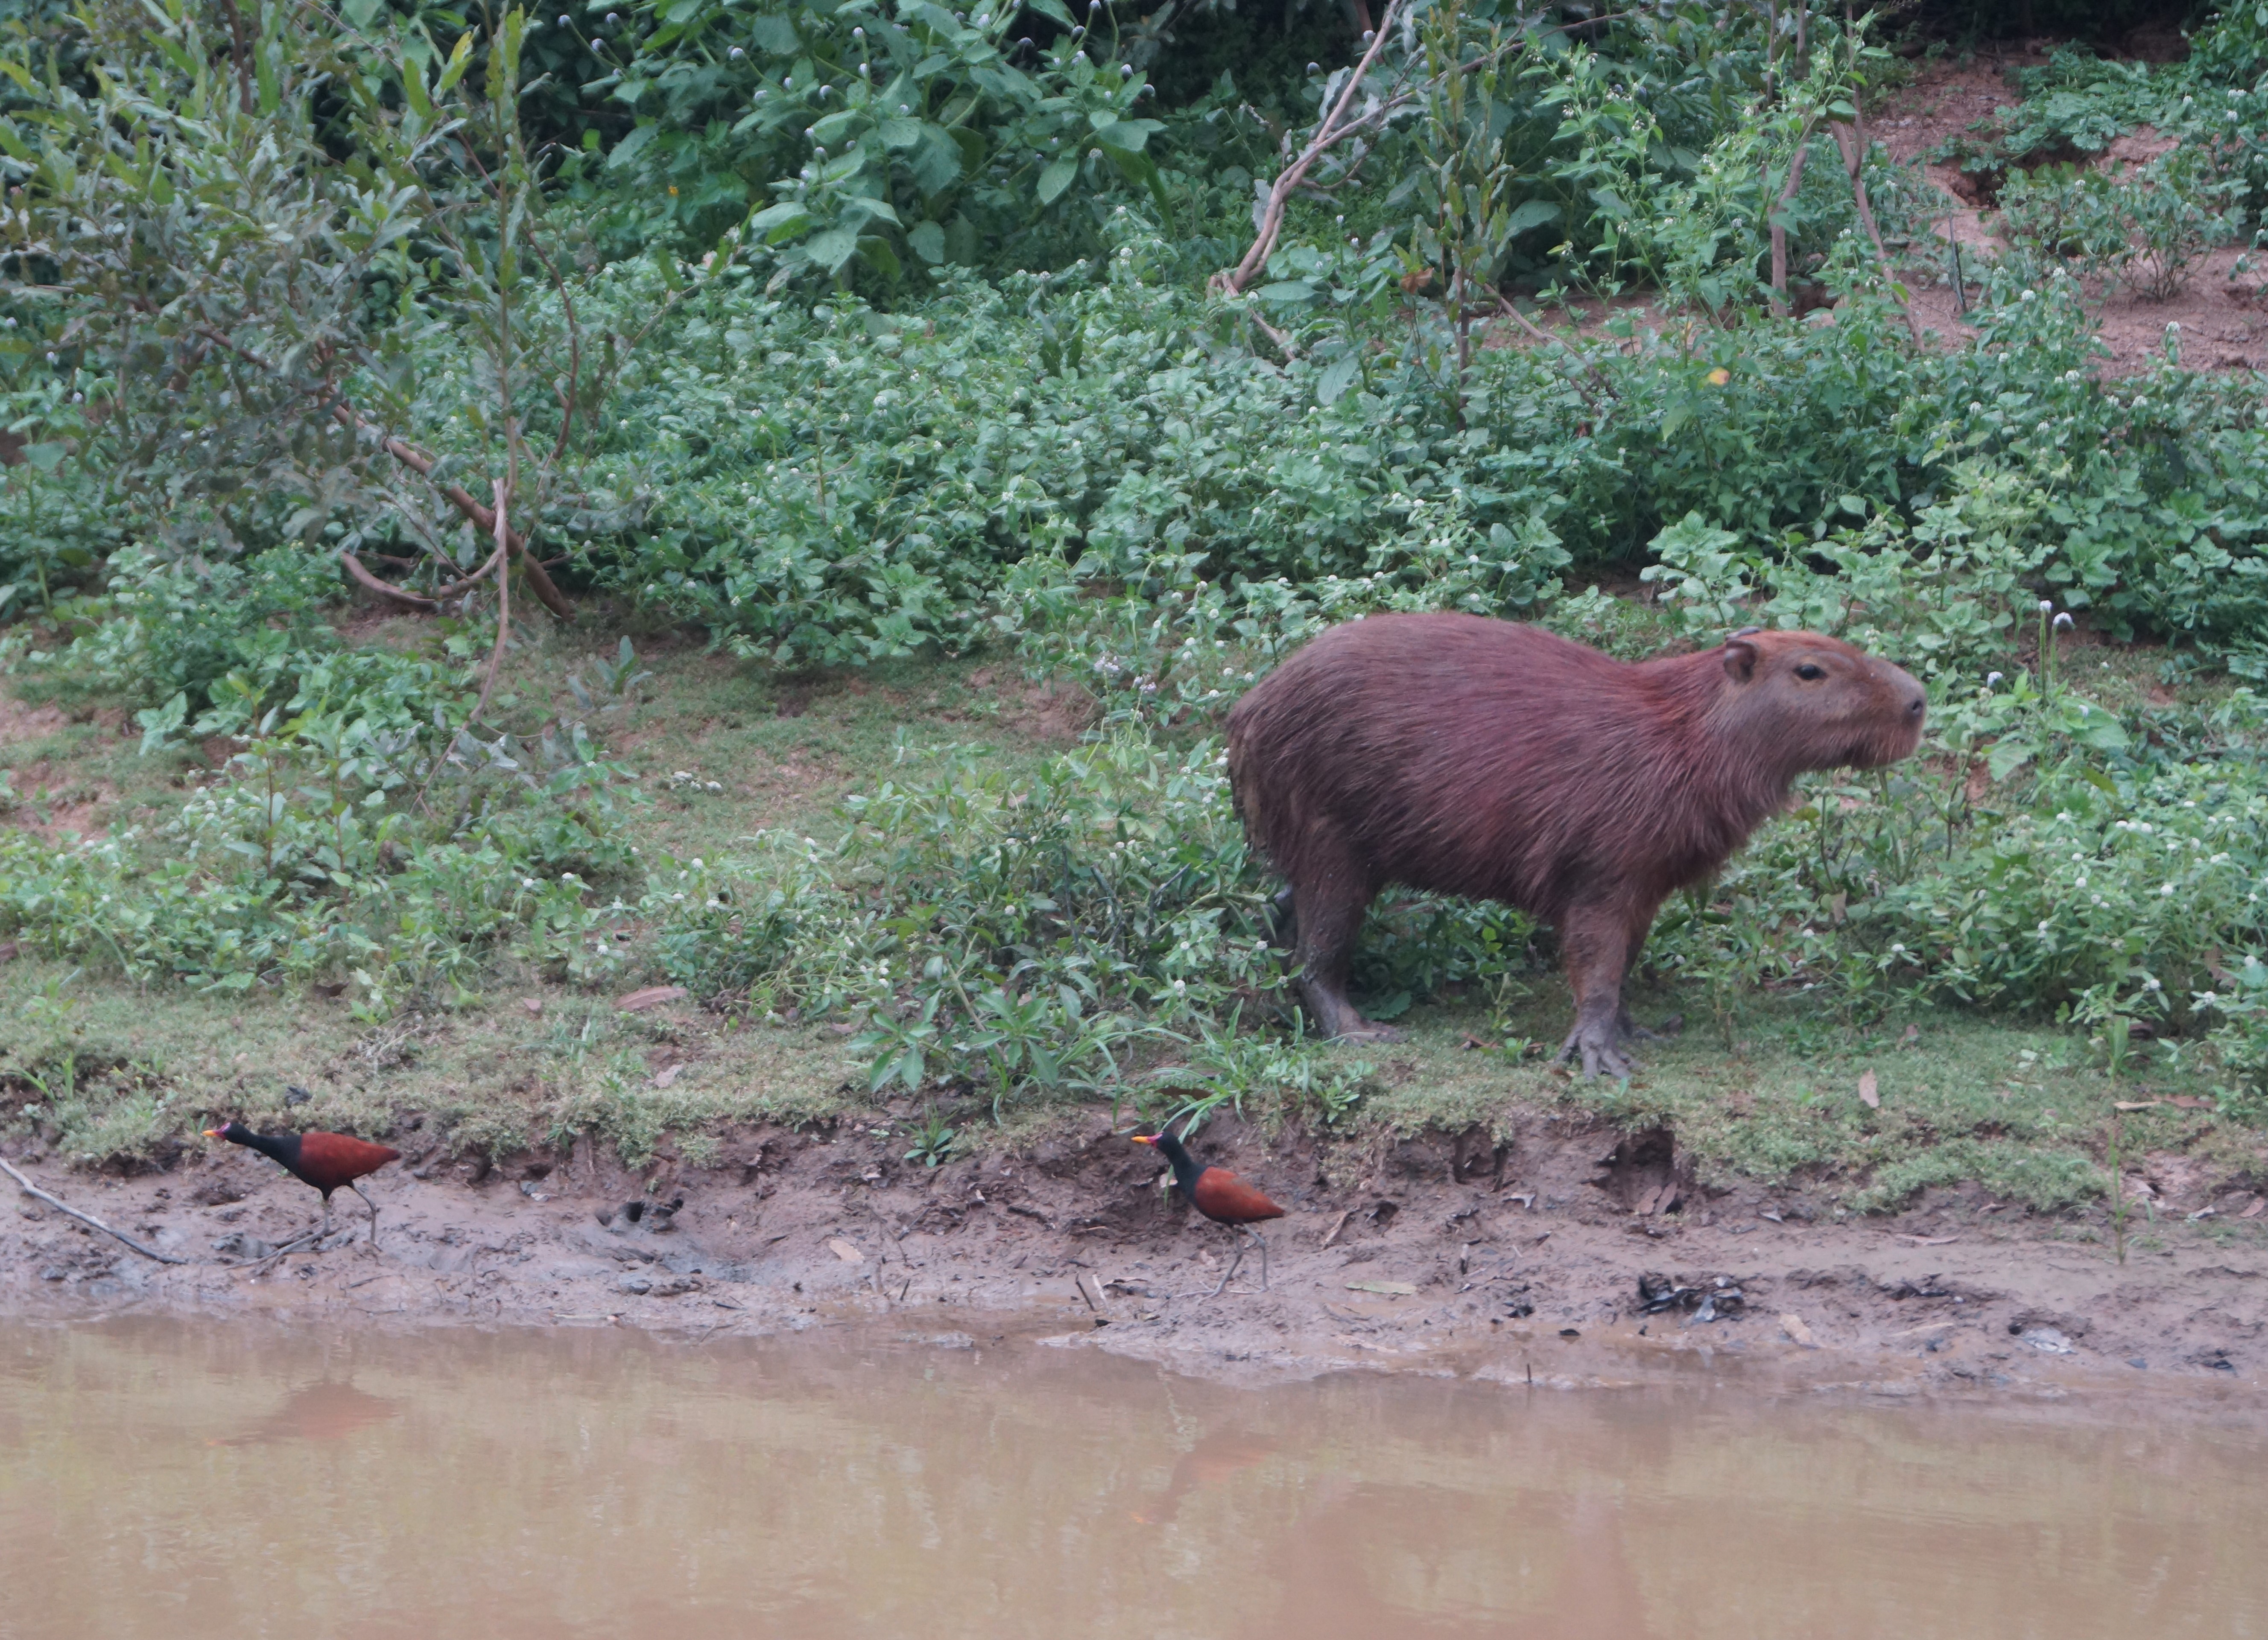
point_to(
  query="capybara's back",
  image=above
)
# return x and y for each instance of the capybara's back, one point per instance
(1477, 757)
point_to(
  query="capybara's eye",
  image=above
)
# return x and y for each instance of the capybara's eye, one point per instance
(1808, 672)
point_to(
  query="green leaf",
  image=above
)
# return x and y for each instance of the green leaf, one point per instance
(927, 241)
(158, 722)
(461, 58)
(783, 220)
(774, 34)
(901, 132)
(875, 252)
(1532, 213)
(833, 248)
(1338, 378)
(1056, 178)
(630, 146)
(1286, 291)
(2008, 756)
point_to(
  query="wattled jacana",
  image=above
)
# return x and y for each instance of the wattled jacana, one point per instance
(1221, 1196)
(324, 1160)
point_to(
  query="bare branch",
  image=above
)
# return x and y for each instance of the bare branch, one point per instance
(504, 593)
(1330, 131)
(31, 1189)
(1542, 335)
(1851, 140)
(385, 589)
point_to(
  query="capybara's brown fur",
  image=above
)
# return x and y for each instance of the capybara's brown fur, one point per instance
(1470, 756)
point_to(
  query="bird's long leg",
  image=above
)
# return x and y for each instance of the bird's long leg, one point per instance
(364, 1194)
(326, 1213)
(1233, 1264)
(1263, 1240)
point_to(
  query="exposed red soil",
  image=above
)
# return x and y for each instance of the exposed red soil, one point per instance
(2219, 318)
(1442, 1254)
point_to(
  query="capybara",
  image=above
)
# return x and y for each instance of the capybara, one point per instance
(1470, 756)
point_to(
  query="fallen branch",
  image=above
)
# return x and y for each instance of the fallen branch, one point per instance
(1271, 219)
(1542, 335)
(31, 1189)
(482, 519)
(1283, 342)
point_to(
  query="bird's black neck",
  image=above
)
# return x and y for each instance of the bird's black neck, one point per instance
(281, 1147)
(1186, 1167)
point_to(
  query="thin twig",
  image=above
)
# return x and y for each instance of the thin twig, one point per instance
(1272, 222)
(419, 462)
(1852, 141)
(31, 1189)
(1542, 335)
(504, 595)
(1283, 342)
(1778, 227)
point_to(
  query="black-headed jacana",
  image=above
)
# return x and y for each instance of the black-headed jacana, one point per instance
(324, 1160)
(1221, 1196)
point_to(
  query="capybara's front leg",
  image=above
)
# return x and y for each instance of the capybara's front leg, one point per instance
(1328, 914)
(1595, 942)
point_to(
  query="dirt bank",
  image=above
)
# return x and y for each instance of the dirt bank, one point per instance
(1446, 1253)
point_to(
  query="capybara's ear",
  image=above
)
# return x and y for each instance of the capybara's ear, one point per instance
(1740, 656)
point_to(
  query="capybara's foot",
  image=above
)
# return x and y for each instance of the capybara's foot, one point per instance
(1337, 1019)
(1629, 1030)
(1597, 1044)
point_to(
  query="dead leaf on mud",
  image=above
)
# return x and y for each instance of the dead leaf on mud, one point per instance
(534, 1005)
(2190, 1101)
(1388, 1289)
(666, 1075)
(2136, 1104)
(1794, 1327)
(1868, 1094)
(2259, 1203)
(651, 997)
(1930, 1241)
(1337, 1224)
(844, 1251)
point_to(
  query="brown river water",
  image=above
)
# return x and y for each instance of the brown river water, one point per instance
(183, 1480)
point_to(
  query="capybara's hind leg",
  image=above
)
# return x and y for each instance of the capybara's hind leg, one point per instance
(1630, 1030)
(1595, 942)
(1283, 919)
(1329, 913)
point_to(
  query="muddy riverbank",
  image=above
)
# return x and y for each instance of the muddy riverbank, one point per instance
(1571, 1255)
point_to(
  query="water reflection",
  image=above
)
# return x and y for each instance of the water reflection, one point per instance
(323, 1411)
(184, 1482)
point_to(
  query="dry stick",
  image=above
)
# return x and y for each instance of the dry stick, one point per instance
(241, 54)
(1851, 140)
(1542, 335)
(1283, 342)
(418, 462)
(1272, 222)
(29, 1188)
(504, 595)
(1779, 228)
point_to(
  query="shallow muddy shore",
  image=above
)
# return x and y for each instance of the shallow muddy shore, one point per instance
(1443, 1255)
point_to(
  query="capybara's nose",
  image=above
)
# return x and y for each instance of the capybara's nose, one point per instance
(1915, 705)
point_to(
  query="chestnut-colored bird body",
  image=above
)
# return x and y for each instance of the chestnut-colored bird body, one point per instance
(328, 1161)
(1219, 1194)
